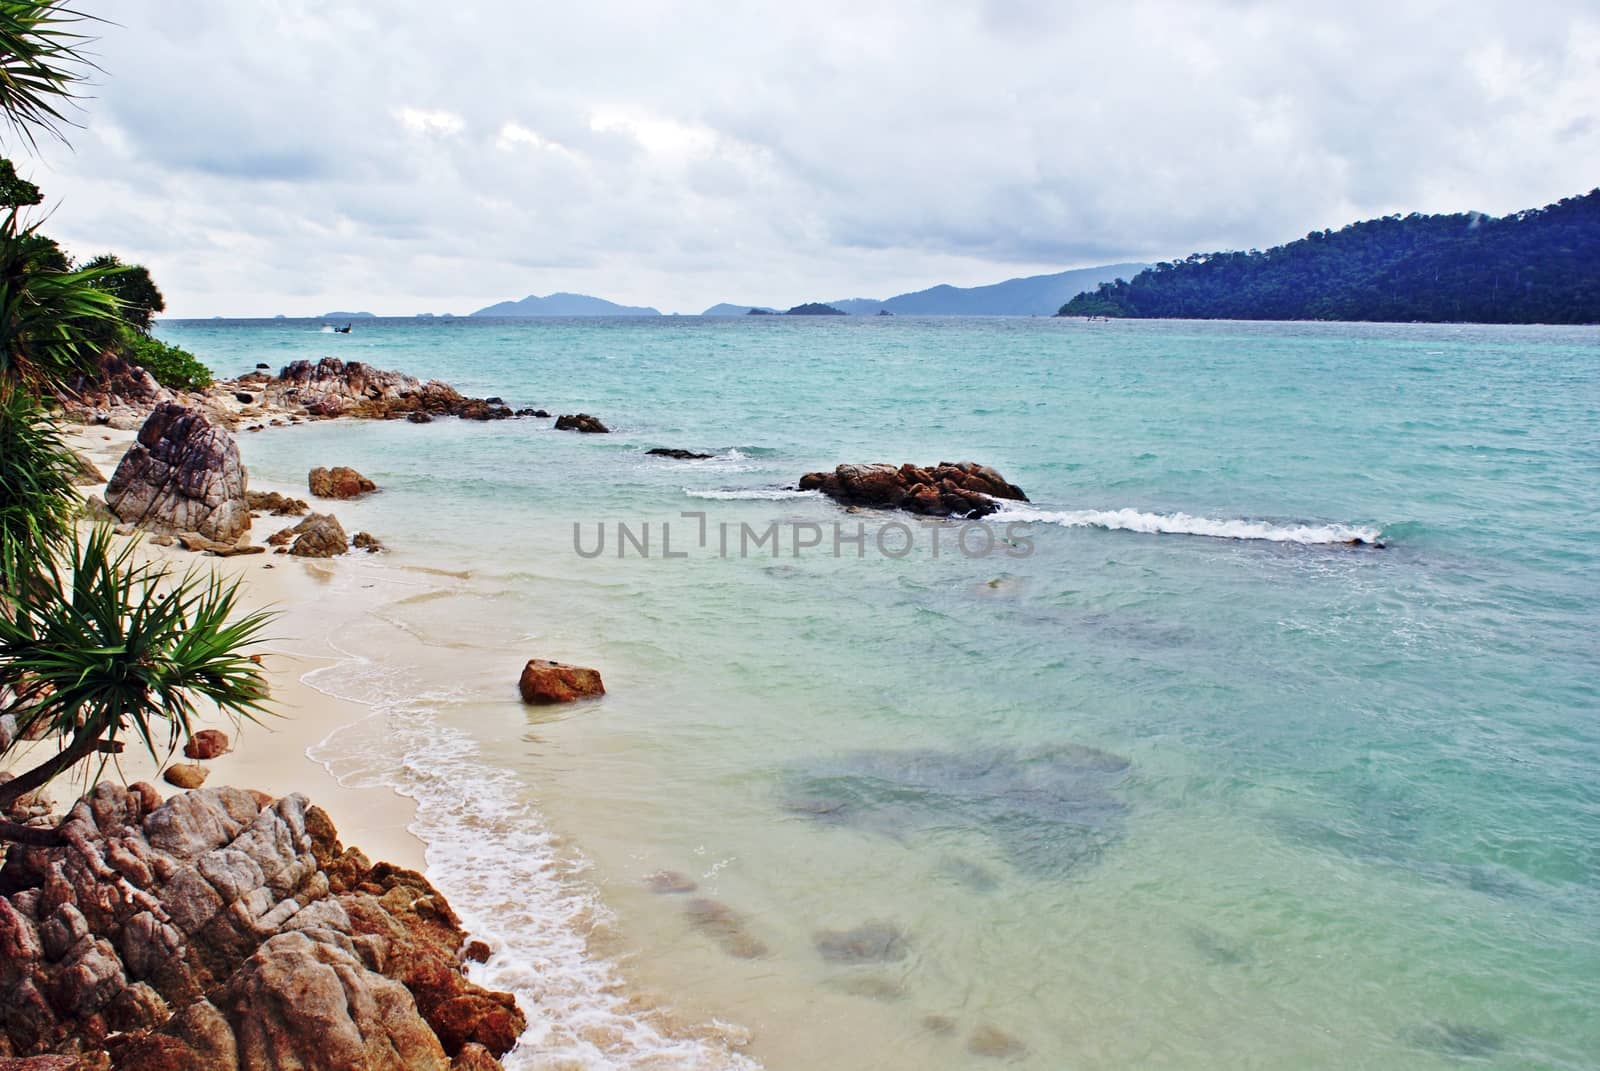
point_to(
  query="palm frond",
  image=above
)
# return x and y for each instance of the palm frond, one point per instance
(42, 62)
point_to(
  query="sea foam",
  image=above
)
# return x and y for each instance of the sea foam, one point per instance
(1132, 520)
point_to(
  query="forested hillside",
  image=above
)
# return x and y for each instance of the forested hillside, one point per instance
(1538, 266)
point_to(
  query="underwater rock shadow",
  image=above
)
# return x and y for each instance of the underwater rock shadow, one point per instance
(1050, 810)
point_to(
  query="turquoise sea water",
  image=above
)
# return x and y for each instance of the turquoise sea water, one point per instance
(1152, 795)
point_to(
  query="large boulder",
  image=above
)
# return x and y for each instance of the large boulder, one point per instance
(544, 681)
(959, 489)
(341, 481)
(182, 474)
(219, 931)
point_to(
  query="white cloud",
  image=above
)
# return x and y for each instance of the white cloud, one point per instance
(678, 155)
(432, 122)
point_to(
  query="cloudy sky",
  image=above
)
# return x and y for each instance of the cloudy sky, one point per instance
(296, 156)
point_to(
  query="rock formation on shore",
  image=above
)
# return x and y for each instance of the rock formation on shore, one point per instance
(959, 489)
(182, 475)
(218, 931)
(332, 387)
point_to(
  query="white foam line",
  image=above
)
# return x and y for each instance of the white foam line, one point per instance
(1131, 520)
(751, 494)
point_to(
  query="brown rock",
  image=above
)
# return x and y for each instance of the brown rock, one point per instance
(544, 681)
(182, 475)
(318, 536)
(339, 482)
(278, 505)
(86, 472)
(366, 541)
(580, 422)
(961, 489)
(994, 1043)
(476, 952)
(185, 775)
(681, 455)
(206, 744)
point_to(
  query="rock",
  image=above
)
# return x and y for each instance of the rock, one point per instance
(318, 536)
(185, 774)
(206, 744)
(85, 472)
(339, 482)
(668, 882)
(555, 682)
(213, 932)
(871, 942)
(95, 509)
(262, 364)
(278, 505)
(995, 1043)
(722, 923)
(962, 489)
(580, 422)
(682, 455)
(476, 952)
(540, 413)
(333, 388)
(182, 475)
(941, 1025)
(244, 396)
(197, 542)
(366, 541)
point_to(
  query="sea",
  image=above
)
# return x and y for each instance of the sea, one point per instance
(1264, 734)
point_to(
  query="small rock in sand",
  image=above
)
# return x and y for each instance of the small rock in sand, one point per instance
(185, 775)
(206, 744)
(995, 1043)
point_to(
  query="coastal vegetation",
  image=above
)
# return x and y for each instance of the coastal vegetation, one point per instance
(1537, 266)
(94, 646)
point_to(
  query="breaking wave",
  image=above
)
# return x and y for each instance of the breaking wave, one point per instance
(751, 494)
(1132, 520)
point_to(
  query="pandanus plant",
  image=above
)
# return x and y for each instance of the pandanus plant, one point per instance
(102, 648)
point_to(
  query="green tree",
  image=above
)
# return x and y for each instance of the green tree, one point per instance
(131, 285)
(16, 191)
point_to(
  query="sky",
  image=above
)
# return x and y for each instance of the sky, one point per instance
(301, 156)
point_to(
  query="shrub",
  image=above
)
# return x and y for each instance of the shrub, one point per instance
(174, 368)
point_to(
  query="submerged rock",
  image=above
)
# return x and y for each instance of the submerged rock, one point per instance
(544, 681)
(992, 1042)
(1049, 809)
(213, 932)
(581, 422)
(181, 475)
(722, 923)
(681, 455)
(960, 489)
(876, 941)
(1457, 1040)
(668, 882)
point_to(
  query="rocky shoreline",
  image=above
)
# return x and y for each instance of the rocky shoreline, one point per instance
(223, 929)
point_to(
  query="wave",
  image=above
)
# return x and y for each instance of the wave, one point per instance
(751, 494)
(513, 884)
(1132, 520)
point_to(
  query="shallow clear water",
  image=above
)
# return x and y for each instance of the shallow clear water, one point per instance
(1150, 795)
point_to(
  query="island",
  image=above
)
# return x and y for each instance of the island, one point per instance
(815, 308)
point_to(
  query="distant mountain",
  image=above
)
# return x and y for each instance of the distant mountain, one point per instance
(815, 308)
(348, 316)
(1537, 266)
(1033, 295)
(564, 305)
(725, 309)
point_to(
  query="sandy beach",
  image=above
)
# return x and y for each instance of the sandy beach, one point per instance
(271, 755)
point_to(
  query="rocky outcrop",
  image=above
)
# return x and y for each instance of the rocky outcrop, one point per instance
(960, 489)
(331, 387)
(215, 931)
(581, 422)
(366, 541)
(318, 536)
(555, 682)
(182, 475)
(339, 482)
